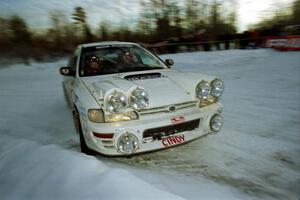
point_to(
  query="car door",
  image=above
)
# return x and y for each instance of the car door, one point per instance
(69, 81)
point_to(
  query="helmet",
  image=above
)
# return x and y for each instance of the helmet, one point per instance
(92, 65)
(129, 58)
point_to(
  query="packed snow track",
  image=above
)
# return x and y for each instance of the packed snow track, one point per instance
(255, 156)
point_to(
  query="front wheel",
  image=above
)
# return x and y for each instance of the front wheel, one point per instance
(83, 146)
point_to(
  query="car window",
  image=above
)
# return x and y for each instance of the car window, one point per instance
(147, 58)
(100, 60)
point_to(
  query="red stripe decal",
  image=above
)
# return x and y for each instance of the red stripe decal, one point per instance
(104, 135)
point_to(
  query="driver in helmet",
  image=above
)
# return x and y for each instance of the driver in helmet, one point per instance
(93, 65)
(129, 59)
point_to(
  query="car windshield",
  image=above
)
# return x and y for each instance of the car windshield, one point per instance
(110, 59)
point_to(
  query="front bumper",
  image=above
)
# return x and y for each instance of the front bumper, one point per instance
(154, 131)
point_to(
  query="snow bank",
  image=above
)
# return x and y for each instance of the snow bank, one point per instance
(31, 171)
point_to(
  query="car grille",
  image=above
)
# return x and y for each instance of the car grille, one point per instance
(165, 131)
(165, 109)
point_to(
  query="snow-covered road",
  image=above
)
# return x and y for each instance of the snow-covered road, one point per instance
(255, 156)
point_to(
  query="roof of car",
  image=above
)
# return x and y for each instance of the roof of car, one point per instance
(106, 43)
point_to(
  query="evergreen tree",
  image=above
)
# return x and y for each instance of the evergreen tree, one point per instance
(104, 31)
(80, 18)
(20, 31)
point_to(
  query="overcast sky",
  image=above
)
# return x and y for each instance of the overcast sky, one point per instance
(36, 12)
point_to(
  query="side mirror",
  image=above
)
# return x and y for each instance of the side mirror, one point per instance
(66, 71)
(169, 62)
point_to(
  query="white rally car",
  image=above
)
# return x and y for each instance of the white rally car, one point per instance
(126, 100)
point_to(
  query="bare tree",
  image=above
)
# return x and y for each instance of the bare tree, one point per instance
(296, 12)
(104, 30)
(192, 14)
(164, 16)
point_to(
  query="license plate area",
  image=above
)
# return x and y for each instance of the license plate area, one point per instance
(166, 131)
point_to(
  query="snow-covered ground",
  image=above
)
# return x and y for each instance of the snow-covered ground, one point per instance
(255, 156)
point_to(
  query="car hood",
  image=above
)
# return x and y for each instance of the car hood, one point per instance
(165, 87)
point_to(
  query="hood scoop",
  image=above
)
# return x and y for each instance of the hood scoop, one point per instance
(136, 77)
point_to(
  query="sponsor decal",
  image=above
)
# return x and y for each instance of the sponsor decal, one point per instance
(284, 43)
(275, 43)
(172, 140)
(178, 119)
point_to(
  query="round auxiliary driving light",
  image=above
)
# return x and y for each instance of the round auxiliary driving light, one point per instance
(128, 143)
(217, 88)
(216, 123)
(139, 99)
(203, 90)
(116, 102)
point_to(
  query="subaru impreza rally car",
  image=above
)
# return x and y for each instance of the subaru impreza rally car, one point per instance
(125, 100)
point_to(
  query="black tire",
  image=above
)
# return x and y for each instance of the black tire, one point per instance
(83, 146)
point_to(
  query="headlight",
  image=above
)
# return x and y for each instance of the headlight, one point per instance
(139, 99)
(128, 143)
(217, 88)
(116, 102)
(203, 90)
(95, 115)
(216, 123)
(126, 116)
